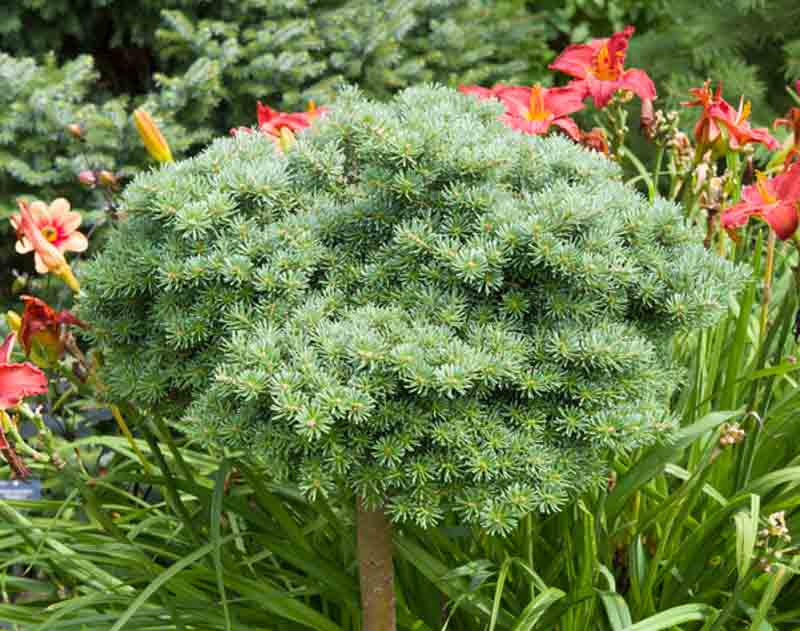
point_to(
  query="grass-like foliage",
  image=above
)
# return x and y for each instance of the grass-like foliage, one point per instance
(415, 304)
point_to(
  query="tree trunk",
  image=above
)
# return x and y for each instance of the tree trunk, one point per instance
(375, 570)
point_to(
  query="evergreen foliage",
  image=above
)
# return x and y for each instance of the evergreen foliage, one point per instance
(415, 304)
(287, 51)
(38, 102)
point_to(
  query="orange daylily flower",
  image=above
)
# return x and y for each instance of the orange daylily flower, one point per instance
(600, 68)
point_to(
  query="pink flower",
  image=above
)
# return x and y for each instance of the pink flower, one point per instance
(56, 224)
(533, 110)
(600, 67)
(723, 127)
(775, 200)
(17, 381)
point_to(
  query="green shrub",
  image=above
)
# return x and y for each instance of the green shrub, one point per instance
(415, 303)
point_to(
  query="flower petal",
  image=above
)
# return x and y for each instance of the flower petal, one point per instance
(787, 185)
(738, 215)
(76, 242)
(576, 60)
(566, 100)
(638, 82)
(18, 381)
(602, 91)
(23, 246)
(40, 213)
(535, 128)
(58, 208)
(782, 218)
(39, 264)
(569, 126)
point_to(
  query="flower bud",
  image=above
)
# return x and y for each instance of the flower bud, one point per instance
(87, 178)
(151, 136)
(647, 119)
(75, 130)
(13, 320)
(108, 179)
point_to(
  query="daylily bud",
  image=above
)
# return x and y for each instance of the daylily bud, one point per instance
(108, 179)
(75, 130)
(151, 136)
(87, 178)
(13, 320)
(647, 119)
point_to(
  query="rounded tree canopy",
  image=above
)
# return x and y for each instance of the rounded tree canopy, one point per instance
(414, 304)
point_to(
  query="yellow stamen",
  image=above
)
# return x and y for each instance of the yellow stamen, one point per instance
(50, 233)
(761, 185)
(603, 68)
(744, 111)
(536, 110)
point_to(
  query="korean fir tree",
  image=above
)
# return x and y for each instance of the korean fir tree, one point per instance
(415, 308)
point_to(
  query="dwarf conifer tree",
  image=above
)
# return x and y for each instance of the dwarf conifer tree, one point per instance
(415, 306)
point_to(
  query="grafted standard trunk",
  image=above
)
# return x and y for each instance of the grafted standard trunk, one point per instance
(375, 569)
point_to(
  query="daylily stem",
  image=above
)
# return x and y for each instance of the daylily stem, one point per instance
(657, 169)
(767, 294)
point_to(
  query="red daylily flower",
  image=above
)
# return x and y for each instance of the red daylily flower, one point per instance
(17, 381)
(533, 110)
(271, 122)
(775, 200)
(723, 127)
(40, 323)
(600, 68)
